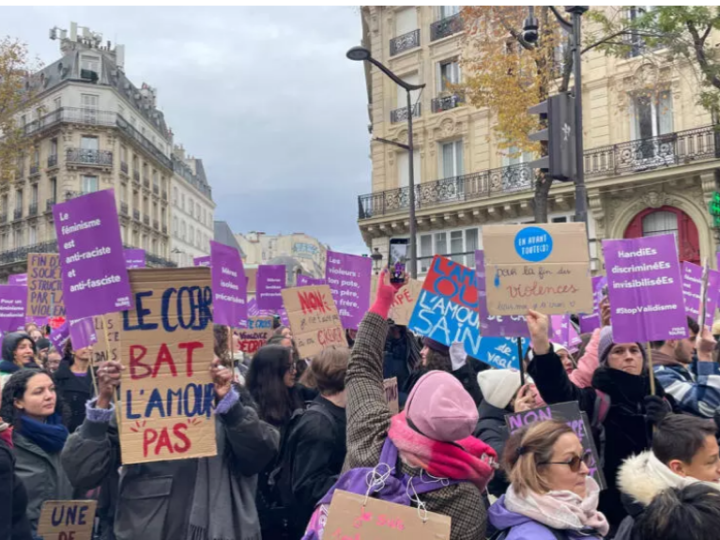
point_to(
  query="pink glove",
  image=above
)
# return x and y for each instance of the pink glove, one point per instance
(384, 295)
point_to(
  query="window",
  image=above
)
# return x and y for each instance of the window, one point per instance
(57, 103)
(155, 178)
(513, 156)
(123, 154)
(145, 241)
(451, 159)
(652, 117)
(4, 243)
(461, 241)
(32, 235)
(448, 11)
(182, 230)
(34, 195)
(53, 188)
(175, 226)
(197, 210)
(182, 202)
(53, 147)
(660, 222)
(36, 157)
(456, 246)
(471, 244)
(5, 204)
(175, 193)
(191, 207)
(163, 216)
(19, 238)
(90, 63)
(192, 235)
(448, 74)
(403, 161)
(89, 184)
(123, 192)
(405, 21)
(440, 244)
(89, 143)
(154, 246)
(19, 200)
(637, 42)
(411, 78)
(89, 104)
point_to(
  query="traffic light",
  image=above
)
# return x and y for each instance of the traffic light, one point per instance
(558, 112)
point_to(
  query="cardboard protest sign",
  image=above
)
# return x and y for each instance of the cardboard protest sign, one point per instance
(134, 258)
(45, 292)
(391, 395)
(500, 352)
(13, 300)
(645, 289)
(67, 520)
(166, 345)
(356, 517)
(202, 261)
(492, 325)
(107, 349)
(692, 289)
(82, 333)
(269, 286)
(349, 279)
(94, 277)
(447, 309)
(542, 267)
(404, 301)
(17, 279)
(314, 319)
(567, 412)
(256, 334)
(304, 281)
(228, 284)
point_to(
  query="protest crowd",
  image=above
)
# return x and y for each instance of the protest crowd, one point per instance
(419, 409)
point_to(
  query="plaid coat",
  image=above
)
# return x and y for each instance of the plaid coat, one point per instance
(368, 421)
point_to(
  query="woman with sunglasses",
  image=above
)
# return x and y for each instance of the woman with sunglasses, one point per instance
(551, 496)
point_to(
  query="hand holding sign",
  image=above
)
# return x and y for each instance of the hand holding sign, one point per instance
(539, 325)
(108, 378)
(705, 345)
(222, 378)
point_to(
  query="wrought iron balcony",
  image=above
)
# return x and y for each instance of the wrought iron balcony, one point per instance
(664, 151)
(445, 103)
(405, 42)
(21, 254)
(49, 204)
(154, 261)
(146, 220)
(33, 209)
(34, 170)
(124, 208)
(156, 189)
(17, 214)
(136, 214)
(124, 167)
(401, 114)
(144, 142)
(83, 156)
(52, 161)
(446, 27)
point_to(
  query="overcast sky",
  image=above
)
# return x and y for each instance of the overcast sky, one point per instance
(265, 96)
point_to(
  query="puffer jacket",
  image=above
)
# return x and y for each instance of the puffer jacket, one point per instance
(368, 422)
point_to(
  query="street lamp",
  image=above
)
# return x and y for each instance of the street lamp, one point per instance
(363, 54)
(377, 261)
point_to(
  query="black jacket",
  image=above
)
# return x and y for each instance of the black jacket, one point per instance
(75, 391)
(627, 429)
(492, 429)
(14, 523)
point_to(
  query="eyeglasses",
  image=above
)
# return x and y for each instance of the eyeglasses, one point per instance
(574, 463)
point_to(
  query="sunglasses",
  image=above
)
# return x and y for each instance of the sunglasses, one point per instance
(574, 463)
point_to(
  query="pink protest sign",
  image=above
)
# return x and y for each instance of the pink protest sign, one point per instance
(645, 289)
(94, 278)
(229, 285)
(349, 278)
(269, 286)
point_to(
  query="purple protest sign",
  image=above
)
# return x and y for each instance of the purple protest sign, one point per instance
(60, 335)
(94, 278)
(645, 289)
(134, 258)
(590, 322)
(692, 288)
(495, 326)
(229, 285)
(201, 261)
(270, 283)
(349, 278)
(12, 307)
(304, 281)
(82, 333)
(17, 279)
(564, 333)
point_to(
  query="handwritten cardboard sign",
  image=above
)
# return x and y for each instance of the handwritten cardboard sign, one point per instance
(45, 292)
(314, 319)
(112, 344)
(255, 335)
(542, 267)
(351, 517)
(567, 412)
(167, 345)
(67, 520)
(391, 394)
(495, 326)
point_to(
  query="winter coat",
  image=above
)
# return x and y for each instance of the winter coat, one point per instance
(43, 475)
(525, 528)
(75, 391)
(627, 430)
(317, 454)
(368, 421)
(588, 363)
(492, 429)
(7, 364)
(694, 395)
(155, 499)
(400, 357)
(14, 524)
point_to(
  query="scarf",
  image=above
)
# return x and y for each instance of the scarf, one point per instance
(469, 459)
(561, 509)
(49, 435)
(6, 434)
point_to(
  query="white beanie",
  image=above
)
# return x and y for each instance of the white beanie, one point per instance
(458, 356)
(499, 386)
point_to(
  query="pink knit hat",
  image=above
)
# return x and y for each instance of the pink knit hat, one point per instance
(440, 408)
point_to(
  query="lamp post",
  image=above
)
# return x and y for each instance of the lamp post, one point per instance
(363, 54)
(377, 261)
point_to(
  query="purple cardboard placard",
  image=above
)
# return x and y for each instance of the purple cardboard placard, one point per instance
(17, 279)
(304, 281)
(645, 289)
(270, 282)
(692, 285)
(82, 333)
(349, 278)
(60, 335)
(13, 299)
(495, 326)
(94, 278)
(229, 286)
(134, 258)
(202, 261)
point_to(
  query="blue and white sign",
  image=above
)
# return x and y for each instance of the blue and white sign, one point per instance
(500, 352)
(533, 244)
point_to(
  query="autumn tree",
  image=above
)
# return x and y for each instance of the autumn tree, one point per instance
(15, 94)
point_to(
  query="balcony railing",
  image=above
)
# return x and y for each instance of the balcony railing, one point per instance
(124, 167)
(144, 142)
(664, 151)
(17, 214)
(33, 209)
(34, 170)
(405, 42)
(445, 103)
(83, 156)
(401, 114)
(49, 204)
(124, 208)
(52, 161)
(21, 254)
(136, 214)
(446, 27)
